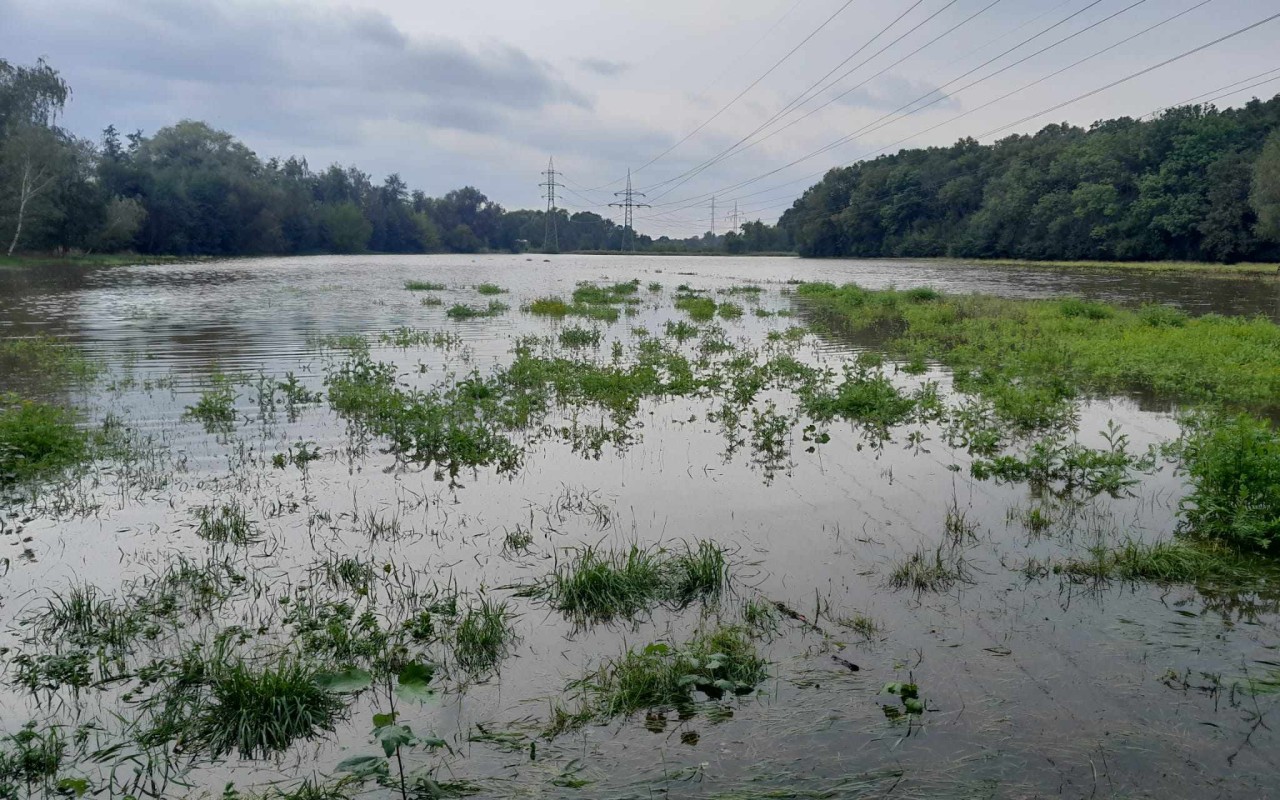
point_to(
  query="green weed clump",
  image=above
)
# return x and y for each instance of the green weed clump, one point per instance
(591, 294)
(1177, 561)
(864, 396)
(455, 426)
(45, 358)
(699, 309)
(719, 663)
(38, 440)
(1233, 466)
(729, 310)
(490, 288)
(225, 524)
(555, 307)
(929, 570)
(598, 586)
(484, 636)
(460, 311)
(424, 286)
(580, 337)
(1058, 349)
(256, 712)
(216, 407)
(549, 307)
(30, 760)
(1087, 309)
(84, 617)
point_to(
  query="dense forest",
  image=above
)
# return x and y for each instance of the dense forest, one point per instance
(1194, 183)
(190, 189)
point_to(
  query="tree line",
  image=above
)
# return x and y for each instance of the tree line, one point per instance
(1193, 183)
(190, 189)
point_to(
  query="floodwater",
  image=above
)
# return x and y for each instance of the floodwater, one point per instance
(1034, 685)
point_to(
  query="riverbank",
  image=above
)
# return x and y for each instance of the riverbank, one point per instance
(36, 260)
(1198, 267)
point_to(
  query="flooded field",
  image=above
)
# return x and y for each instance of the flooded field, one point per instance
(507, 526)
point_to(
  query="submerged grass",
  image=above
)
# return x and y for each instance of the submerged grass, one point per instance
(591, 294)
(38, 440)
(460, 311)
(717, 663)
(46, 359)
(597, 586)
(225, 524)
(556, 307)
(1233, 466)
(259, 711)
(1176, 561)
(580, 337)
(424, 286)
(484, 636)
(1058, 348)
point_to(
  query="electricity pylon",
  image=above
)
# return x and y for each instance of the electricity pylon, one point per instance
(552, 233)
(627, 205)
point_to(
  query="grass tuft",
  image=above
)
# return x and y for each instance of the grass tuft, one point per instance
(602, 586)
(715, 664)
(37, 440)
(484, 636)
(256, 712)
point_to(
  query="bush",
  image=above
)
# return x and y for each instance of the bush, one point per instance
(1233, 465)
(37, 439)
(1158, 316)
(1086, 309)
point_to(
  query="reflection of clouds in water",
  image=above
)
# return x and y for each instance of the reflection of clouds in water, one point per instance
(1011, 668)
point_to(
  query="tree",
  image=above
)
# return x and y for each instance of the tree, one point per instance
(1265, 194)
(31, 152)
(31, 160)
(124, 219)
(345, 229)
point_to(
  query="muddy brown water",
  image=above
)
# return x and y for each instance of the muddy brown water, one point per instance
(1034, 686)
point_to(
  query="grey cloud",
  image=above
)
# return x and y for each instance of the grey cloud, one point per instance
(603, 66)
(280, 64)
(891, 92)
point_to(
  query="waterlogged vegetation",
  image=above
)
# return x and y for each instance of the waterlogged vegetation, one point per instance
(1025, 354)
(433, 560)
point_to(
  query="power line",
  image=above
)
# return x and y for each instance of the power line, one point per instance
(889, 118)
(711, 84)
(1093, 92)
(810, 92)
(938, 90)
(551, 233)
(1230, 86)
(628, 205)
(751, 86)
(1131, 76)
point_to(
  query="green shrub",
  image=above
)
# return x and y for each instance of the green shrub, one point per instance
(1233, 465)
(1087, 309)
(37, 440)
(1157, 315)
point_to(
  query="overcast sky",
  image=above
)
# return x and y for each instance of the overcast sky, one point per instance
(483, 92)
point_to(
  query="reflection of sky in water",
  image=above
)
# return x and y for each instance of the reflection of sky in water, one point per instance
(1035, 686)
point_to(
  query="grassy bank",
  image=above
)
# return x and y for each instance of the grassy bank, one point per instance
(1198, 267)
(36, 260)
(765, 254)
(1057, 349)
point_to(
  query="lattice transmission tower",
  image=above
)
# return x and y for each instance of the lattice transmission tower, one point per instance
(628, 205)
(551, 236)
